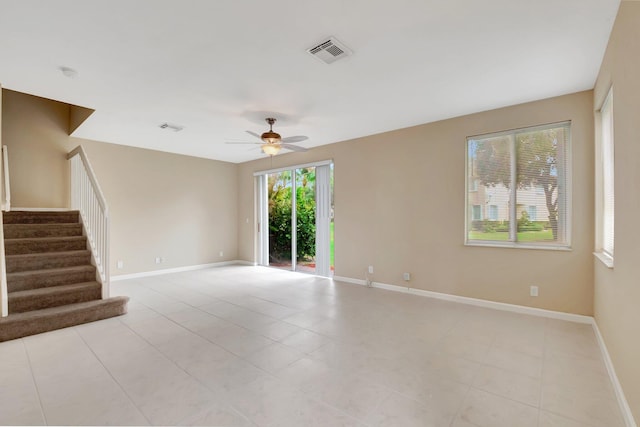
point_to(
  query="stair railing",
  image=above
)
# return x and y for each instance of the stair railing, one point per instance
(6, 187)
(87, 197)
(5, 205)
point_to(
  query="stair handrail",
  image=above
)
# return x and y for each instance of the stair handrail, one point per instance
(87, 197)
(5, 188)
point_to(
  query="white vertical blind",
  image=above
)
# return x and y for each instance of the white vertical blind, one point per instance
(323, 219)
(262, 215)
(608, 214)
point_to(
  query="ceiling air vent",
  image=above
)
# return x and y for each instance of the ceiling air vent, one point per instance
(174, 128)
(330, 51)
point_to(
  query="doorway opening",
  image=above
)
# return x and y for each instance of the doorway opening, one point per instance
(296, 221)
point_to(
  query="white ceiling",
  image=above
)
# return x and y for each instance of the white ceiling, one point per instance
(219, 67)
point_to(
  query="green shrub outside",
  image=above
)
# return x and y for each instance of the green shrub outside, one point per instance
(279, 194)
(524, 224)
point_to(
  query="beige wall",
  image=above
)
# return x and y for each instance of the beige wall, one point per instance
(617, 290)
(36, 132)
(187, 210)
(180, 208)
(385, 215)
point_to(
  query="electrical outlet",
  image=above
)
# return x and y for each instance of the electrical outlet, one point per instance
(221, 253)
(406, 276)
(533, 291)
(158, 260)
(370, 269)
(120, 264)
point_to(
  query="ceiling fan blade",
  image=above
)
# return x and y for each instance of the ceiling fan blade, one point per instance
(298, 138)
(293, 147)
(242, 142)
(254, 134)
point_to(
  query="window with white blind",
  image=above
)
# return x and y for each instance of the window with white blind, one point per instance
(523, 182)
(605, 182)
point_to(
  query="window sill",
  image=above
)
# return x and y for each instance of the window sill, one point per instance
(512, 245)
(605, 259)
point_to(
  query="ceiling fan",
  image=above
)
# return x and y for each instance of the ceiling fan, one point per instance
(272, 142)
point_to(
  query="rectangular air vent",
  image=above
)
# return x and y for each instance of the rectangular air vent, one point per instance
(330, 51)
(174, 128)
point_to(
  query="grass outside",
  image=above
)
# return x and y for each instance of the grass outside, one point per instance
(523, 236)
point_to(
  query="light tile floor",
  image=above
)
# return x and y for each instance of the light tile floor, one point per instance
(247, 346)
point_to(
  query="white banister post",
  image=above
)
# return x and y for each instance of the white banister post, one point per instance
(88, 199)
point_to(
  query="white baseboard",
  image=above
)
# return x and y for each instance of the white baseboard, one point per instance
(16, 208)
(178, 270)
(474, 301)
(349, 280)
(617, 387)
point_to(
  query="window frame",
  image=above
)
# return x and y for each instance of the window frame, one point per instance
(566, 218)
(601, 252)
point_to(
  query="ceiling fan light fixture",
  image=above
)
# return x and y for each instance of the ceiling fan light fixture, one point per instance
(271, 142)
(271, 149)
(271, 137)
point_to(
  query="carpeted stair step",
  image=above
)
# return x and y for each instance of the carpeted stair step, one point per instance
(34, 322)
(47, 260)
(42, 217)
(38, 299)
(22, 231)
(44, 244)
(25, 280)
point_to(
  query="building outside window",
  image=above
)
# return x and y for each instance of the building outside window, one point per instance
(523, 175)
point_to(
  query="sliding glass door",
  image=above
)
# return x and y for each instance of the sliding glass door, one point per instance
(305, 220)
(280, 196)
(295, 215)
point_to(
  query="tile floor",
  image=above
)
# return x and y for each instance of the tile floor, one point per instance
(252, 346)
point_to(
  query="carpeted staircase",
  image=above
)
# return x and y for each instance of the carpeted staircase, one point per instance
(50, 279)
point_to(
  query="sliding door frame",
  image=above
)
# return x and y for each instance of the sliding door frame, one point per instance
(323, 208)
